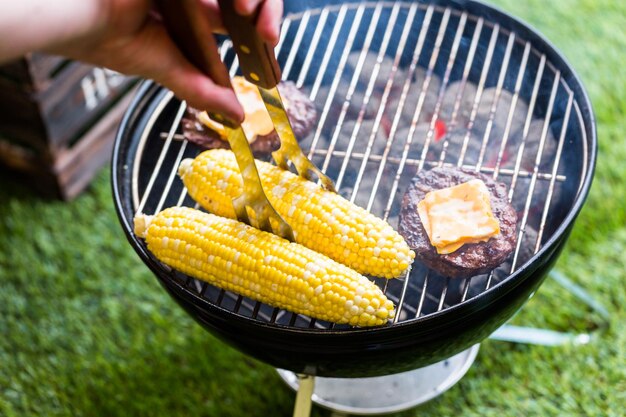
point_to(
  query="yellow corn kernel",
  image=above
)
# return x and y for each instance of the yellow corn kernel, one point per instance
(262, 266)
(321, 220)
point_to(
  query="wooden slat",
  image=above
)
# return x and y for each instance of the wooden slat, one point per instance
(78, 101)
(73, 167)
(58, 120)
(21, 121)
(34, 72)
(50, 120)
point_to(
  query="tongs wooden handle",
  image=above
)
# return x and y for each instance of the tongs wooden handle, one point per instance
(256, 57)
(189, 27)
(258, 64)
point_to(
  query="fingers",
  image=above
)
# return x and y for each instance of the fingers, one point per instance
(247, 7)
(268, 21)
(160, 60)
(212, 12)
(200, 92)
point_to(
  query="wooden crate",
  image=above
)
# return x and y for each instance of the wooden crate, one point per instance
(72, 168)
(58, 120)
(34, 71)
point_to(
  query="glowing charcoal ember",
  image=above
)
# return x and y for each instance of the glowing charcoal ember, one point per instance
(456, 106)
(532, 146)
(424, 92)
(372, 67)
(358, 103)
(360, 134)
(459, 145)
(503, 102)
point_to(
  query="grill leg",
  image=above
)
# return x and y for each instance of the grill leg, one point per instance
(382, 394)
(303, 397)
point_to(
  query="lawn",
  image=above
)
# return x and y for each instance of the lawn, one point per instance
(85, 330)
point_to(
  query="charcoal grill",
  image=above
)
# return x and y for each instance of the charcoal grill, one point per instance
(400, 87)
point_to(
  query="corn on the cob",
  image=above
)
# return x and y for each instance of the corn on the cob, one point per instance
(262, 266)
(321, 220)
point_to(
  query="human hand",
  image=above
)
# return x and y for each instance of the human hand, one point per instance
(129, 37)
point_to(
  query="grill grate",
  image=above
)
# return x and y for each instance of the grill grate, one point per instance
(386, 75)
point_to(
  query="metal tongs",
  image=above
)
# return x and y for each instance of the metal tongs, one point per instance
(188, 26)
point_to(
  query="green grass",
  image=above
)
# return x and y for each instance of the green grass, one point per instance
(85, 330)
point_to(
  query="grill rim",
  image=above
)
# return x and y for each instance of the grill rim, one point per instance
(146, 95)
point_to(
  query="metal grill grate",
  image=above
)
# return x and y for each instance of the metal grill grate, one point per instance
(385, 77)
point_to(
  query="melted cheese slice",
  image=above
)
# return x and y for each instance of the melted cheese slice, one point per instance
(257, 121)
(455, 216)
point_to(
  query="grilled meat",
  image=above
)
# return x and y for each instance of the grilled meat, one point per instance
(300, 110)
(470, 259)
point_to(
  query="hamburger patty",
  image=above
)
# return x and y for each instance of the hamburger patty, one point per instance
(470, 259)
(300, 110)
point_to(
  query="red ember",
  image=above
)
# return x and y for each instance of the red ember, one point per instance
(440, 130)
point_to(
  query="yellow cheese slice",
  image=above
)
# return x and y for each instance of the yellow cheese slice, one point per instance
(455, 216)
(257, 121)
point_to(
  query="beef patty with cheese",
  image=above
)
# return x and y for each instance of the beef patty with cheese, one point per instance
(459, 222)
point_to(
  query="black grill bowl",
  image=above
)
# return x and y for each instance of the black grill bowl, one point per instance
(439, 317)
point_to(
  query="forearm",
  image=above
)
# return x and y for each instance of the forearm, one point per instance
(126, 36)
(33, 25)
